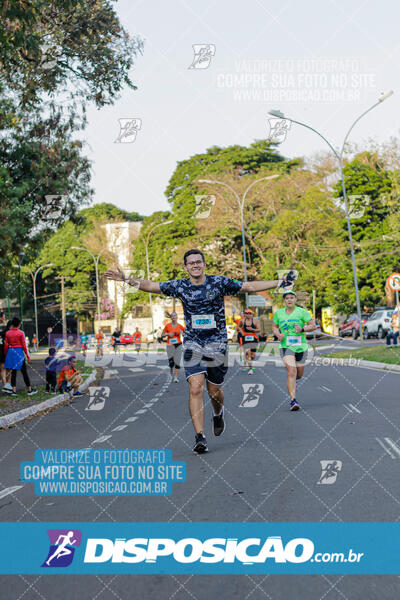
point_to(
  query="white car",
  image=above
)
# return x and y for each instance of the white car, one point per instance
(378, 323)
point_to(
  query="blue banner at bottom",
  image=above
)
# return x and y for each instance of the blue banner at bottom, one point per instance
(204, 548)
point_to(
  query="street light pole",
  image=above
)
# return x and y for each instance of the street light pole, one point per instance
(241, 204)
(34, 275)
(21, 259)
(148, 266)
(96, 265)
(339, 157)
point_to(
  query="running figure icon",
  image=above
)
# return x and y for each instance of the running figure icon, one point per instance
(62, 549)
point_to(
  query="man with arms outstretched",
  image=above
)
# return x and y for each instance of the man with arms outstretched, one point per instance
(205, 339)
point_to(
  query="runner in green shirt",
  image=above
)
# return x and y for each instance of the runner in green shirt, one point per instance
(289, 325)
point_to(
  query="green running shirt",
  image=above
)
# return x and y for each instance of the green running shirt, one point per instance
(286, 322)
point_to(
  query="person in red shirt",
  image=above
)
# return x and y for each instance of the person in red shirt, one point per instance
(173, 332)
(70, 378)
(15, 351)
(137, 339)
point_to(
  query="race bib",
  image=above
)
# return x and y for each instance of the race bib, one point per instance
(173, 340)
(294, 340)
(203, 322)
(249, 338)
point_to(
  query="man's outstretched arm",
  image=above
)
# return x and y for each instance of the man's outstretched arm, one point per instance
(141, 284)
(259, 286)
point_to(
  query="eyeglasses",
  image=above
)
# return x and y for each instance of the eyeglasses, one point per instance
(195, 263)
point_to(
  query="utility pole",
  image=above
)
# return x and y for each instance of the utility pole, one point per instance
(64, 317)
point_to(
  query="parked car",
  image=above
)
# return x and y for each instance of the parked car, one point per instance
(350, 325)
(378, 323)
(126, 338)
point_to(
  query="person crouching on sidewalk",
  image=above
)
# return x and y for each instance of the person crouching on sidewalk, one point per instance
(69, 378)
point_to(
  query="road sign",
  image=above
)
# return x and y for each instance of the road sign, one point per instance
(393, 282)
(255, 300)
(49, 329)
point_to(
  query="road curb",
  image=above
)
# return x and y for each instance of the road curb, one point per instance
(30, 411)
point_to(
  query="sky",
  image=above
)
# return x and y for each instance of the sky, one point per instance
(321, 63)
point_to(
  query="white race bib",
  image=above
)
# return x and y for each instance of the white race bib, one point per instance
(249, 338)
(203, 322)
(294, 340)
(173, 340)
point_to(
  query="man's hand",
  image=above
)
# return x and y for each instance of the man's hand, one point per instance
(116, 274)
(280, 336)
(298, 329)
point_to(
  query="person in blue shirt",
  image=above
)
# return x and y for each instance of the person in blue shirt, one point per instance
(84, 342)
(205, 339)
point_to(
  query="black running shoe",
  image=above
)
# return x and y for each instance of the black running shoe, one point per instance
(201, 444)
(219, 423)
(288, 280)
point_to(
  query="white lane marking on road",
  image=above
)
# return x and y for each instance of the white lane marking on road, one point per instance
(148, 405)
(355, 408)
(109, 372)
(393, 446)
(324, 388)
(385, 448)
(140, 412)
(103, 438)
(10, 490)
(119, 428)
(135, 369)
(131, 419)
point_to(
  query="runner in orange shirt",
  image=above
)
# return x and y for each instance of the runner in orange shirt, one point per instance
(173, 332)
(137, 339)
(99, 344)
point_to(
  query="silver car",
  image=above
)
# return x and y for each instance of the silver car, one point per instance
(378, 323)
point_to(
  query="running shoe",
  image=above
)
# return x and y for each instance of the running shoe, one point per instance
(78, 393)
(176, 380)
(294, 405)
(289, 280)
(200, 445)
(7, 388)
(219, 423)
(32, 392)
(251, 371)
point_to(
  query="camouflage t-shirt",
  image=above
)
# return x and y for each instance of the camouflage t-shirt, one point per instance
(203, 307)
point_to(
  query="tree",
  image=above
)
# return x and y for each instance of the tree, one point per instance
(84, 230)
(55, 58)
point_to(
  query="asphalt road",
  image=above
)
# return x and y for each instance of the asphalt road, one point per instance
(266, 467)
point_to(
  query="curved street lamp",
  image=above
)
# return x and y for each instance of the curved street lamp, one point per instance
(339, 157)
(241, 203)
(34, 275)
